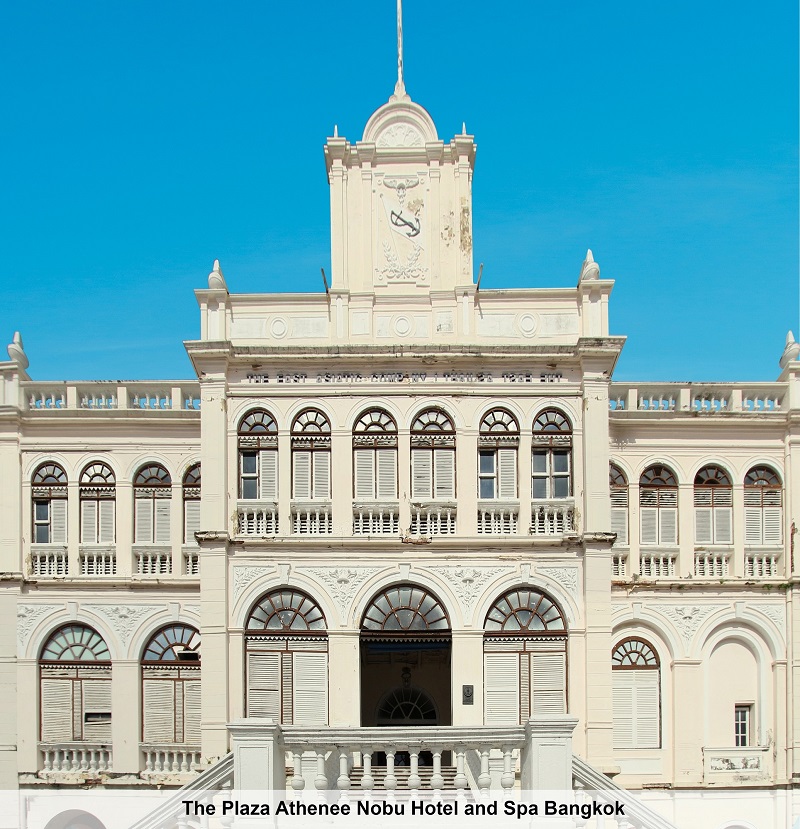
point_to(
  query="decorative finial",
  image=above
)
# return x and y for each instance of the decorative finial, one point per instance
(791, 352)
(463, 127)
(400, 87)
(16, 352)
(590, 269)
(335, 130)
(216, 279)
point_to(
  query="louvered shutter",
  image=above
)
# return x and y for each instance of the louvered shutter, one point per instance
(310, 689)
(89, 522)
(96, 700)
(159, 711)
(322, 476)
(723, 529)
(191, 520)
(386, 462)
(649, 524)
(143, 520)
(548, 684)
(364, 471)
(702, 525)
(622, 708)
(668, 526)
(752, 525)
(106, 509)
(192, 712)
(444, 462)
(263, 685)
(268, 474)
(56, 710)
(646, 708)
(421, 474)
(163, 509)
(501, 688)
(58, 519)
(301, 475)
(773, 519)
(507, 473)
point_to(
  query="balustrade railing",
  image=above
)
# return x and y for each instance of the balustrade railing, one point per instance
(433, 519)
(257, 518)
(711, 565)
(657, 565)
(191, 561)
(761, 565)
(376, 519)
(105, 396)
(98, 562)
(162, 760)
(49, 562)
(553, 517)
(496, 518)
(619, 566)
(87, 759)
(153, 562)
(312, 518)
(710, 398)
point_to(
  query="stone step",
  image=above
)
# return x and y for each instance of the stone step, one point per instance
(402, 774)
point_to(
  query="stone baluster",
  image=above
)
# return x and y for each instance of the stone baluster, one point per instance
(320, 781)
(460, 778)
(484, 779)
(367, 780)
(343, 780)
(507, 779)
(437, 780)
(414, 780)
(390, 781)
(298, 783)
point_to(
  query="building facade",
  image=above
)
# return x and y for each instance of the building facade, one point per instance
(403, 503)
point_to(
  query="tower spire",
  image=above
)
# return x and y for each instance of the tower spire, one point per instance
(400, 87)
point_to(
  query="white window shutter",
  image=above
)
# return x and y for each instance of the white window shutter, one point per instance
(191, 521)
(702, 525)
(310, 688)
(649, 522)
(264, 685)
(56, 707)
(668, 526)
(646, 708)
(364, 472)
(192, 712)
(507, 473)
(548, 684)
(268, 474)
(421, 474)
(619, 524)
(386, 463)
(723, 529)
(622, 708)
(96, 699)
(444, 461)
(106, 522)
(143, 529)
(58, 519)
(752, 525)
(163, 510)
(301, 474)
(322, 476)
(158, 706)
(773, 518)
(89, 522)
(501, 688)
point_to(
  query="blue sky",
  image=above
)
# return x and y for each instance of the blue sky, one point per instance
(143, 140)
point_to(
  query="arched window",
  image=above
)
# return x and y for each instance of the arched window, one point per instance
(171, 687)
(763, 507)
(287, 659)
(311, 457)
(152, 495)
(433, 457)
(497, 456)
(375, 474)
(75, 686)
(618, 487)
(405, 608)
(658, 506)
(552, 456)
(98, 500)
(713, 507)
(191, 503)
(258, 457)
(49, 496)
(525, 658)
(636, 695)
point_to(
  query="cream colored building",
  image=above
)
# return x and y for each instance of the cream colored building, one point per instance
(424, 507)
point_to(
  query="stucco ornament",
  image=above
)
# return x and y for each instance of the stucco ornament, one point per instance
(16, 351)
(791, 352)
(400, 134)
(342, 582)
(216, 279)
(468, 582)
(567, 577)
(686, 618)
(123, 619)
(29, 615)
(245, 576)
(589, 269)
(776, 613)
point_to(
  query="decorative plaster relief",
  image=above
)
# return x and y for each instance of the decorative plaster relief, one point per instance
(123, 619)
(400, 135)
(342, 582)
(687, 619)
(29, 615)
(557, 325)
(278, 327)
(468, 583)
(527, 325)
(194, 609)
(775, 613)
(444, 322)
(244, 576)
(567, 577)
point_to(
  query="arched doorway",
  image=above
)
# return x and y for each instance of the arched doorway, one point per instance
(405, 659)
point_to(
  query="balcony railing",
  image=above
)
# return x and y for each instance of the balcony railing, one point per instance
(658, 565)
(552, 517)
(103, 396)
(49, 561)
(376, 519)
(98, 561)
(712, 565)
(762, 565)
(496, 518)
(257, 518)
(170, 760)
(67, 759)
(312, 518)
(713, 398)
(191, 561)
(619, 566)
(156, 561)
(433, 519)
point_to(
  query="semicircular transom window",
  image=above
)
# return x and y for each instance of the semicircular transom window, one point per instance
(75, 643)
(658, 476)
(311, 422)
(762, 476)
(406, 705)
(499, 421)
(286, 611)
(98, 474)
(405, 608)
(152, 475)
(551, 421)
(527, 611)
(258, 422)
(634, 653)
(49, 474)
(433, 420)
(174, 643)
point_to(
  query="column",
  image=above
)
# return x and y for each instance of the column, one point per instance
(466, 659)
(126, 728)
(688, 728)
(344, 678)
